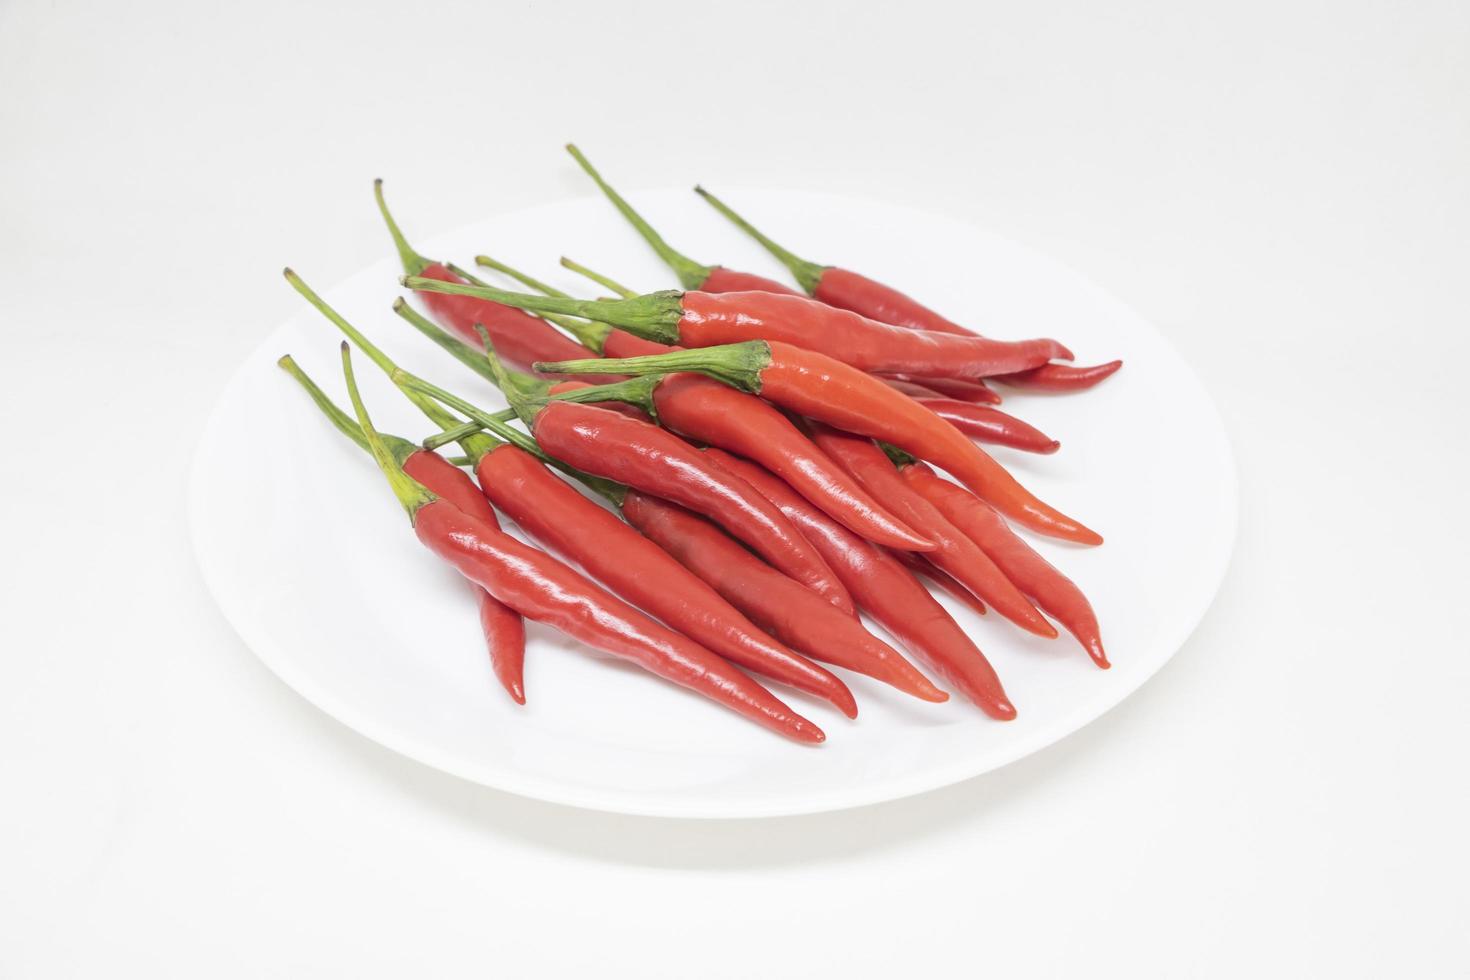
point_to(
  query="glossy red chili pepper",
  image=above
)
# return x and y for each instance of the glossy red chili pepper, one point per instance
(504, 632)
(700, 319)
(991, 425)
(542, 588)
(888, 592)
(923, 568)
(1035, 576)
(557, 516)
(789, 612)
(710, 412)
(1060, 377)
(849, 290)
(821, 388)
(505, 640)
(956, 553)
(646, 457)
(521, 339)
(711, 278)
(965, 391)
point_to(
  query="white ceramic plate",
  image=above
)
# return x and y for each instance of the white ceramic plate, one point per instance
(314, 564)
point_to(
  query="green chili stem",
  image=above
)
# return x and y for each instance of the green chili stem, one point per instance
(413, 263)
(654, 316)
(590, 334)
(401, 448)
(463, 352)
(633, 391)
(517, 275)
(738, 365)
(412, 494)
(451, 435)
(612, 491)
(807, 274)
(597, 277)
(486, 420)
(691, 274)
(426, 405)
(898, 456)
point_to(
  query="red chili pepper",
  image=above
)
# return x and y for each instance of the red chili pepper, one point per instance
(710, 278)
(964, 391)
(820, 388)
(1035, 576)
(542, 588)
(851, 291)
(1060, 377)
(646, 457)
(923, 568)
(888, 592)
(700, 319)
(557, 516)
(789, 612)
(521, 338)
(991, 425)
(956, 553)
(504, 632)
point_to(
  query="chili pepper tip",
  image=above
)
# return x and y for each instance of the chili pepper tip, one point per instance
(1001, 710)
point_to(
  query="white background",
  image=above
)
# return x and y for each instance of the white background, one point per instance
(1283, 187)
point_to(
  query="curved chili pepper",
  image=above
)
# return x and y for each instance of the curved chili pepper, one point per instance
(956, 553)
(505, 639)
(701, 319)
(711, 278)
(542, 588)
(991, 425)
(923, 568)
(789, 612)
(521, 338)
(504, 632)
(553, 513)
(964, 391)
(821, 388)
(851, 291)
(1035, 576)
(888, 592)
(1060, 377)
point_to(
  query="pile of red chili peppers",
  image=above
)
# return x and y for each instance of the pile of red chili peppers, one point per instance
(768, 464)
